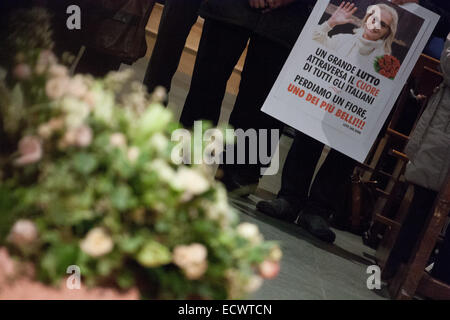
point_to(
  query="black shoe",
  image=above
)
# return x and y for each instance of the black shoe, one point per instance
(278, 208)
(317, 226)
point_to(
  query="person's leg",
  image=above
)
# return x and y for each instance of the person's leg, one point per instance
(177, 19)
(263, 63)
(220, 48)
(420, 207)
(299, 169)
(96, 63)
(328, 189)
(296, 178)
(441, 269)
(326, 192)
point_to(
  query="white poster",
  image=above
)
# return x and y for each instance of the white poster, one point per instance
(347, 69)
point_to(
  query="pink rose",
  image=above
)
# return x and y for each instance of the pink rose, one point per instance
(7, 268)
(23, 233)
(269, 269)
(83, 136)
(22, 71)
(56, 88)
(30, 150)
(46, 58)
(58, 70)
(80, 137)
(46, 130)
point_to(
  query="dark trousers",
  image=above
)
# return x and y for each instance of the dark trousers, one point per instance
(97, 64)
(328, 187)
(441, 269)
(413, 224)
(177, 19)
(220, 48)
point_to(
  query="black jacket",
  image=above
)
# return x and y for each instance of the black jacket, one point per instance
(442, 8)
(282, 25)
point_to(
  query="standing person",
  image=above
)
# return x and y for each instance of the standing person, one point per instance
(428, 151)
(327, 190)
(294, 200)
(177, 19)
(270, 28)
(113, 32)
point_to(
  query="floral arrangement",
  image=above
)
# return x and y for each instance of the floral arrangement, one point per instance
(387, 66)
(86, 179)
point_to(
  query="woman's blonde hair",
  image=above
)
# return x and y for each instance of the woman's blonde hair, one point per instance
(393, 26)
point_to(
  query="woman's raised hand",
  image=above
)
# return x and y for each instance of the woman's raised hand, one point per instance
(343, 14)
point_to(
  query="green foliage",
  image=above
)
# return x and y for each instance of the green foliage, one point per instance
(97, 180)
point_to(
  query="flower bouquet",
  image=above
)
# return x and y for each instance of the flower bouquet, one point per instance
(86, 180)
(387, 66)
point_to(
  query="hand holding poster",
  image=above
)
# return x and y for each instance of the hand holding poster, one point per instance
(346, 70)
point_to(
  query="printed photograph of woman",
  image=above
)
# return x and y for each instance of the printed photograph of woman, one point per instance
(372, 39)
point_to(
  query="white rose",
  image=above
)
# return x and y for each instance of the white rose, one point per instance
(195, 253)
(76, 112)
(191, 182)
(164, 171)
(23, 233)
(103, 102)
(133, 154)
(227, 214)
(253, 284)
(195, 271)
(56, 88)
(77, 87)
(44, 131)
(97, 243)
(191, 259)
(118, 140)
(159, 142)
(90, 99)
(250, 232)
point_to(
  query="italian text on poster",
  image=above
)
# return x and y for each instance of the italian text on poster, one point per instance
(346, 70)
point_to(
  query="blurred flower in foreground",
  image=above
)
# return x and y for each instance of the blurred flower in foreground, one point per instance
(30, 150)
(191, 259)
(97, 243)
(23, 233)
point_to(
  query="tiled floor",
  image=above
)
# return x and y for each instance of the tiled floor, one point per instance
(310, 269)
